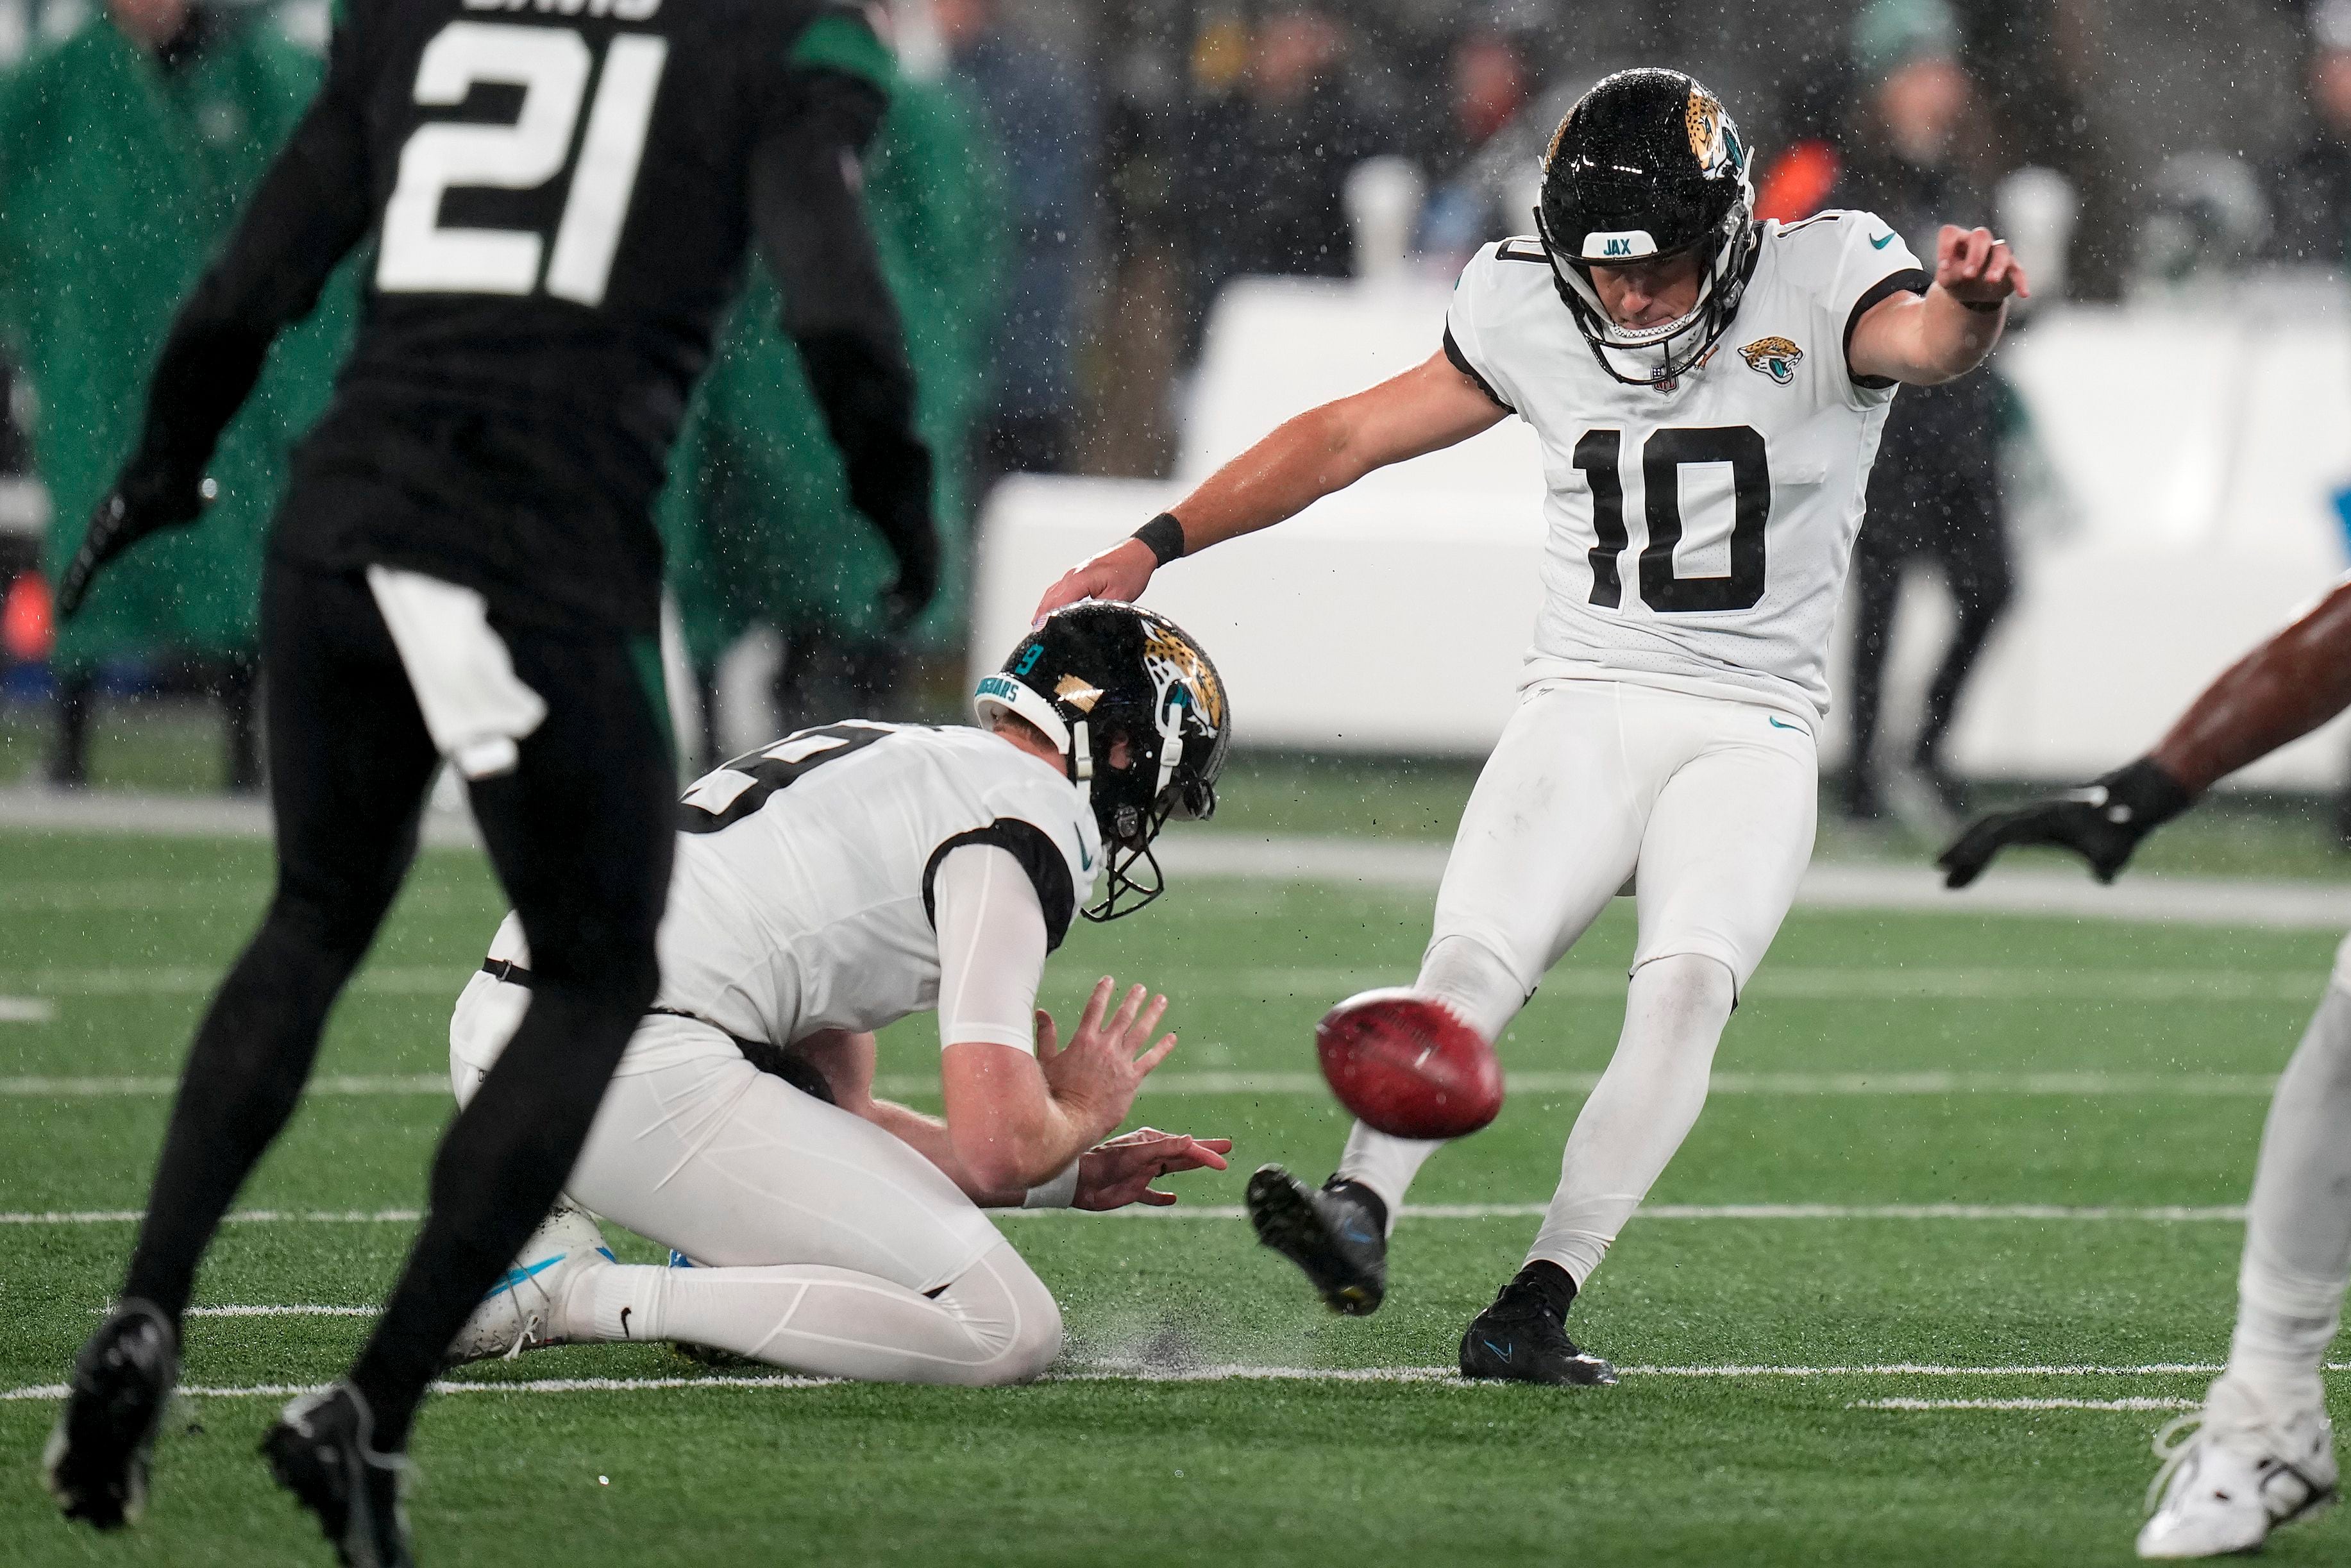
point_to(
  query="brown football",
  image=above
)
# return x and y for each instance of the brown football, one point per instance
(1407, 1066)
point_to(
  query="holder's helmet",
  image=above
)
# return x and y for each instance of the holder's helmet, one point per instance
(1647, 165)
(1094, 674)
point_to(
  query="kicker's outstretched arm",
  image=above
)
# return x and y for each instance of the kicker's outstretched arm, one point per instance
(1326, 449)
(2278, 693)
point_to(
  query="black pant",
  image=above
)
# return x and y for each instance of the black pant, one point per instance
(579, 833)
(1969, 543)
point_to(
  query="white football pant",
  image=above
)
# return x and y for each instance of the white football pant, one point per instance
(1707, 804)
(2297, 1260)
(824, 1244)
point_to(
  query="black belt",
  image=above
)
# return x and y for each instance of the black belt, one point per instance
(780, 1061)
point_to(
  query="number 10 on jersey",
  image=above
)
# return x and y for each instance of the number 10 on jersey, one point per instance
(551, 64)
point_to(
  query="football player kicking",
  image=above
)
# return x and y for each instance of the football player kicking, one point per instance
(832, 883)
(1702, 510)
(2259, 1453)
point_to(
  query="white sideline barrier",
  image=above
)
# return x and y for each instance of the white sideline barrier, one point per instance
(2199, 448)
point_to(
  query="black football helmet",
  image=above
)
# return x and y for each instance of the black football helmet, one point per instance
(1649, 165)
(1094, 674)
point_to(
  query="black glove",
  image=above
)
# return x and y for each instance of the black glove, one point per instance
(890, 483)
(141, 503)
(2102, 821)
(868, 400)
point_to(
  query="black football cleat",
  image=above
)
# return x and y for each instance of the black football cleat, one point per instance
(320, 1451)
(1336, 1233)
(97, 1460)
(1522, 1338)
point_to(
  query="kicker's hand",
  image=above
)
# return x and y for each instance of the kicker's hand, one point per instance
(1094, 1079)
(1974, 268)
(1121, 572)
(131, 511)
(2102, 821)
(1120, 1172)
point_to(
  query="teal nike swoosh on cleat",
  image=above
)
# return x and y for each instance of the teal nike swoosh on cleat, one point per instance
(1881, 241)
(517, 1276)
(1777, 723)
(1499, 1350)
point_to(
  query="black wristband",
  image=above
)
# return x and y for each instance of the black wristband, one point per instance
(2143, 797)
(1163, 536)
(1983, 306)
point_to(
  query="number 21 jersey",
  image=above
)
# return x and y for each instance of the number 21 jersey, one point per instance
(561, 192)
(1699, 536)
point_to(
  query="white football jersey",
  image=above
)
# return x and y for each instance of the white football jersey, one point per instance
(1698, 536)
(801, 898)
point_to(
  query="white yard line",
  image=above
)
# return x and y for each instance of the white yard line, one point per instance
(422, 1083)
(1589, 982)
(27, 1009)
(1234, 1373)
(2129, 1405)
(1385, 864)
(2193, 1085)
(236, 1216)
(2167, 1215)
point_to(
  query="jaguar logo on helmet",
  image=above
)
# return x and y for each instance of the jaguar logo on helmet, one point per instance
(1703, 121)
(1775, 357)
(1184, 673)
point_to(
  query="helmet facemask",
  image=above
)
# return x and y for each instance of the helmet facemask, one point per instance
(1663, 354)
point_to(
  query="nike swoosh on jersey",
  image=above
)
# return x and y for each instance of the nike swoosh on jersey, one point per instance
(1085, 857)
(1881, 241)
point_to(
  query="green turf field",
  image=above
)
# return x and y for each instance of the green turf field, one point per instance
(1879, 1060)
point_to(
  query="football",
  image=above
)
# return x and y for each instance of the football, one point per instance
(1407, 1066)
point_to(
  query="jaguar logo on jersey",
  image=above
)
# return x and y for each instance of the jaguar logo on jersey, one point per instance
(1775, 357)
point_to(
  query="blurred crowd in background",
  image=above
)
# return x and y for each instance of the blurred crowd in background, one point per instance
(1060, 192)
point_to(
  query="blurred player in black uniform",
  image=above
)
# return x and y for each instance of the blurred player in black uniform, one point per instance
(466, 566)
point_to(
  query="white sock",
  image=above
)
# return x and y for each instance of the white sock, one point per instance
(2297, 1259)
(1480, 988)
(1641, 1110)
(996, 1323)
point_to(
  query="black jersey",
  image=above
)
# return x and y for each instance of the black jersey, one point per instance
(560, 194)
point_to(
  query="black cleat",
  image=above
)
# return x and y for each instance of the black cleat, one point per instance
(318, 1451)
(1336, 1233)
(1522, 1338)
(96, 1463)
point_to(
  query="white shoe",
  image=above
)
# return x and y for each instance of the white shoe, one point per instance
(525, 1310)
(2235, 1470)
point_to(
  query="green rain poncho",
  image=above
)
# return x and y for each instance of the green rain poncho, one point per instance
(757, 515)
(118, 181)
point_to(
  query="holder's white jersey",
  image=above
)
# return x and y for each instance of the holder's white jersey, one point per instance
(1699, 536)
(805, 890)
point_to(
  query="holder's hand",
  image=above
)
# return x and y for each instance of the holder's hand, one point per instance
(1120, 1172)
